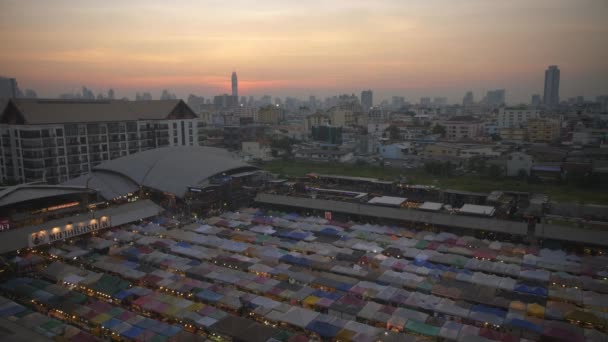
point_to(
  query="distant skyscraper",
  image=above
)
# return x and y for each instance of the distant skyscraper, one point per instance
(425, 101)
(495, 98)
(367, 100)
(235, 85)
(551, 96)
(535, 100)
(8, 88)
(467, 100)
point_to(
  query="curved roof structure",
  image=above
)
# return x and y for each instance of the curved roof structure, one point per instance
(167, 169)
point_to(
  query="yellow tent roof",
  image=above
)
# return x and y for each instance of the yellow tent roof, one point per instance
(311, 300)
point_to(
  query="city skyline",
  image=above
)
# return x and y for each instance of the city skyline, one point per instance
(323, 48)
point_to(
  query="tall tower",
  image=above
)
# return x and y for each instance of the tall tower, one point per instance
(367, 99)
(235, 85)
(551, 96)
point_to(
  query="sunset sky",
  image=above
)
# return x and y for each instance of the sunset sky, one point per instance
(307, 47)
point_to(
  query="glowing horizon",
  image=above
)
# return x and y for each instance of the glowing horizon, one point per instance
(411, 49)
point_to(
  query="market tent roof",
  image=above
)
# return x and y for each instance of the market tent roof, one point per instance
(171, 169)
(243, 329)
(422, 328)
(387, 200)
(431, 206)
(299, 317)
(477, 209)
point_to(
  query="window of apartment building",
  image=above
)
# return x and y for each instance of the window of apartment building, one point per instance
(59, 132)
(183, 134)
(175, 125)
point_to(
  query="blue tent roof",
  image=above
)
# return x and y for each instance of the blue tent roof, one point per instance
(329, 231)
(11, 310)
(324, 329)
(520, 323)
(291, 259)
(325, 294)
(147, 323)
(122, 294)
(489, 310)
(533, 290)
(209, 296)
(171, 330)
(111, 323)
(132, 333)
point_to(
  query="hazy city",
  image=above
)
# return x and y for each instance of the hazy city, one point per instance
(282, 171)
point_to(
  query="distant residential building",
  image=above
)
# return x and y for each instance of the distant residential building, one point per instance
(316, 119)
(590, 136)
(270, 115)
(536, 100)
(395, 151)
(468, 100)
(367, 100)
(441, 150)
(543, 130)
(440, 101)
(478, 152)
(235, 135)
(551, 94)
(225, 101)
(397, 102)
(327, 134)
(55, 140)
(519, 162)
(256, 150)
(425, 101)
(513, 134)
(516, 117)
(603, 102)
(8, 88)
(324, 155)
(342, 117)
(462, 128)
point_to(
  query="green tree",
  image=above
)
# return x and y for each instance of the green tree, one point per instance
(438, 129)
(495, 171)
(393, 132)
(477, 164)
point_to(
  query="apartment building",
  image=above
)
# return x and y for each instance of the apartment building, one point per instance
(462, 128)
(543, 130)
(55, 140)
(516, 117)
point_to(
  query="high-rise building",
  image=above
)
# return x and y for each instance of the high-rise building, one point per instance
(56, 140)
(467, 100)
(235, 85)
(367, 100)
(551, 96)
(8, 88)
(495, 98)
(425, 101)
(398, 102)
(535, 101)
